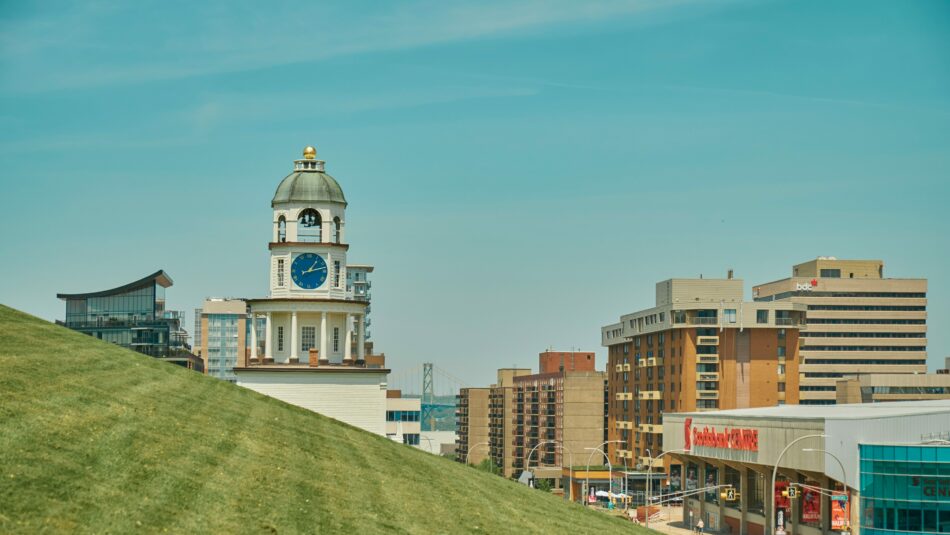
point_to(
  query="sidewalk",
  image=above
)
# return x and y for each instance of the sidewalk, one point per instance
(671, 521)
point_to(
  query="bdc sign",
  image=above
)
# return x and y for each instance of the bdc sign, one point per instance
(806, 286)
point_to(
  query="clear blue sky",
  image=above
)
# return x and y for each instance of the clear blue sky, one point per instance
(519, 173)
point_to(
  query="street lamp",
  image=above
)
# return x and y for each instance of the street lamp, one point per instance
(844, 475)
(527, 460)
(771, 530)
(570, 471)
(469, 453)
(646, 517)
(609, 466)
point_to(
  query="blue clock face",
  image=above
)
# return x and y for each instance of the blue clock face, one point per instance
(309, 271)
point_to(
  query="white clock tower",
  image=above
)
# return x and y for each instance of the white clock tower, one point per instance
(308, 308)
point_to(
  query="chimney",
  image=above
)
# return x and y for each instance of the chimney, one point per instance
(729, 275)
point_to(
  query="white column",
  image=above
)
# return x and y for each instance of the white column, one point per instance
(253, 335)
(360, 350)
(294, 352)
(268, 339)
(323, 337)
(348, 340)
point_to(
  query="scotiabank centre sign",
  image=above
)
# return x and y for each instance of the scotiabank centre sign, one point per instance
(729, 438)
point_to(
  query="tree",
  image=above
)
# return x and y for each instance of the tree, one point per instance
(487, 466)
(543, 485)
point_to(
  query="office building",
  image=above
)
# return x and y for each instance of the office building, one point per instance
(403, 417)
(701, 347)
(134, 316)
(857, 322)
(471, 420)
(880, 387)
(307, 357)
(873, 468)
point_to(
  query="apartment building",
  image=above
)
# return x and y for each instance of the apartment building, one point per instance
(700, 347)
(471, 421)
(551, 416)
(857, 322)
(501, 417)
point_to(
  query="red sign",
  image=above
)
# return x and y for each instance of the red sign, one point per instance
(811, 504)
(733, 439)
(687, 435)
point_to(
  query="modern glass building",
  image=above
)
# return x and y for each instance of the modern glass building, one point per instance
(905, 489)
(132, 316)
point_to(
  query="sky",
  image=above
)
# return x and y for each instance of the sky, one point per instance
(520, 173)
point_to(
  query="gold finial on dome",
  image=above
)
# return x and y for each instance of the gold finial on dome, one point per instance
(309, 153)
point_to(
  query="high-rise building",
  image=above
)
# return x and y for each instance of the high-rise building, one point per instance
(471, 419)
(501, 419)
(551, 416)
(700, 347)
(857, 322)
(223, 328)
(133, 316)
(358, 287)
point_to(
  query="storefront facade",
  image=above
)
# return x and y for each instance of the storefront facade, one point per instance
(818, 455)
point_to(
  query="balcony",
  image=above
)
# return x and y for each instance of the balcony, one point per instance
(707, 394)
(641, 362)
(623, 425)
(703, 321)
(707, 376)
(646, 461)
(707, 340)
(785, 321)
(651, 394)
(626, 367)
(618, 368)
(622, 396)
(624, 454)
(707, 359)
(651, 428)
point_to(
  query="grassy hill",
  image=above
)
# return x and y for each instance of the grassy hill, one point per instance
(95, 438)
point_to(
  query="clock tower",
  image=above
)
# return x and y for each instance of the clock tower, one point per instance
(308, 311)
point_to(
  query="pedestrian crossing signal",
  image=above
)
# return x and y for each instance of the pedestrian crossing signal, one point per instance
(792, 492)
(730, 494)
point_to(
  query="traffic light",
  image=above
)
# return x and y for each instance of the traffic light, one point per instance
(730, 494)
(792, 492)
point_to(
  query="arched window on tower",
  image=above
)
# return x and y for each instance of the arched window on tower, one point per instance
(336, 230)
(309, 226)
(282, 229)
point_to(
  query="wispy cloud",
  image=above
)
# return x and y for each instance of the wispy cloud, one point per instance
(101, 43)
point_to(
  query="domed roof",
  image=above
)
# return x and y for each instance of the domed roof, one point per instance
(308, 183)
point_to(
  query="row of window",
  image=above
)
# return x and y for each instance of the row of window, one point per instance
(872, 362)
(863, 321)
(403, 416)
(808, 293)
(810, 334)
(308, 335)
(864, 348)
(894, 308)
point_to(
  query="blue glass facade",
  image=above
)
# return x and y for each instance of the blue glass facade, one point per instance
(905, 489)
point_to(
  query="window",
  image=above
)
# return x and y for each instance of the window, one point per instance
(280, 272)
(761, 316)
(282, 229)
(832, 273)
(411, 439)
(730, 314)
(336, 273)
(336, 230)
(336, 339)
(280, 338)
(309, 226)
(308, 337)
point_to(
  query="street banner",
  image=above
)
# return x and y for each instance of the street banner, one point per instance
(811, 504)
(840, 511)
(691, 474)
(712, 479)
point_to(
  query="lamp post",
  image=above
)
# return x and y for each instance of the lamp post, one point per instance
(609, 466)
(527, 460)
(646, 517)
(771, 530)
(469, 453)
(844, 475)
(570, 471)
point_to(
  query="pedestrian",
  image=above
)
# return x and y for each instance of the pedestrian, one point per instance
(700, 526)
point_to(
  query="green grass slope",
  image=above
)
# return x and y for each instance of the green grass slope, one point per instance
(95, 438)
